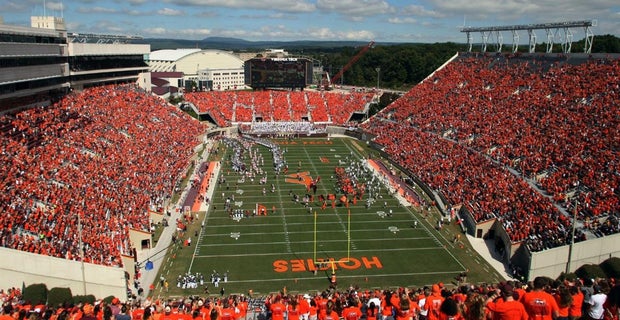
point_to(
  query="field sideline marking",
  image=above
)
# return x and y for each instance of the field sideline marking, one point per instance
(203, 230)
(434, 236)
(283, 216)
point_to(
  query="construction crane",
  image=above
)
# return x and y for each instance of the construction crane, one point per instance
(327, 81)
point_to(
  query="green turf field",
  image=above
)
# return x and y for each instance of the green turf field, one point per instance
(267, 253)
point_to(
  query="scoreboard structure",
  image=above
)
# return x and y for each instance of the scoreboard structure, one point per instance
(291, 73)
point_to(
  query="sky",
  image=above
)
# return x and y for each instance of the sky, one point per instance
(426, 21)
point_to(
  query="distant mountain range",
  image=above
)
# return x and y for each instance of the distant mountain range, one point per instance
(235, 44)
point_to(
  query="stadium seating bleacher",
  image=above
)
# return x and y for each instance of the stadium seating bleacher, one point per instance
(107, 154)
(476, 124)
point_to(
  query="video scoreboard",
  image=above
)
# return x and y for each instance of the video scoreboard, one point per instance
(278, 73)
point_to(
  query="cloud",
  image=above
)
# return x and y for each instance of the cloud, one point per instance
(51, 5)
(406, 20)
(328, 34)
(193, 33)
(355, 7)
(420, 11)
(279, 32)
(278, 15)
(170, 12)
(106, 26)
(135, 12)
(275, 5)
(13, 6)
(355, 18)
(207, 14)
(73, 25)
(54, 6)
(157, 31)
(511, 11)
(88, 10)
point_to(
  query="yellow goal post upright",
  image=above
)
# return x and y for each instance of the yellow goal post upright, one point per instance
(332, 261)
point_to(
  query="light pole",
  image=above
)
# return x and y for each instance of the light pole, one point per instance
(81, 253)
(378, 73)
(572, 239)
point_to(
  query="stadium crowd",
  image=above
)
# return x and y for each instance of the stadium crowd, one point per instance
(468, 125)
(463, 132)
(226, 107)
(541, 298)
(100, 158)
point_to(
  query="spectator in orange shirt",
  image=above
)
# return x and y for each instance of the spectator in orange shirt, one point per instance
(505, 307)
(277, 309)
(564, 300)
(304, 306)
(330, 313)
(387, 308)
(352, 311)
(539, 304)
(313, 312)
(227, 312)
(433, 302)
(292, 309)
(403, 309)
(574, 312)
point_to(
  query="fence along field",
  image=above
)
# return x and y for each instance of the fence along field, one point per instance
(368, 248)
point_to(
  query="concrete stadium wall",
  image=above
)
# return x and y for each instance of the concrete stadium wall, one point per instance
(140, 240)
(19, 267)
(552, 262)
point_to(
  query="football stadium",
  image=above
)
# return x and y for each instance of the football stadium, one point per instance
(267, 189)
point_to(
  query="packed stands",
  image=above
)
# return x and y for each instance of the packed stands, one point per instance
(107, 154)
(227, 107)
(317, 106)
(552, 119)
(573, 297)
(262, 105)
(243, 106)
(281, 106)
(340, 105)
(218, 104)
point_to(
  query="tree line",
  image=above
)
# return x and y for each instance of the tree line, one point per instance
(401, 66)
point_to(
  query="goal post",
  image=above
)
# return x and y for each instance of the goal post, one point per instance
(331, 261)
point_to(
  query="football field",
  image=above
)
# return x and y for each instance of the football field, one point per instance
(301, 239)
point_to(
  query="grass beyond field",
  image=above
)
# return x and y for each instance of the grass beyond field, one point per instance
(369, 248)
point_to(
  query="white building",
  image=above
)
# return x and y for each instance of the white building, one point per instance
(202, 69)
(222, 79)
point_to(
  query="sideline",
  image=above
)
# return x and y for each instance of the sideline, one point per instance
(159, 251)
